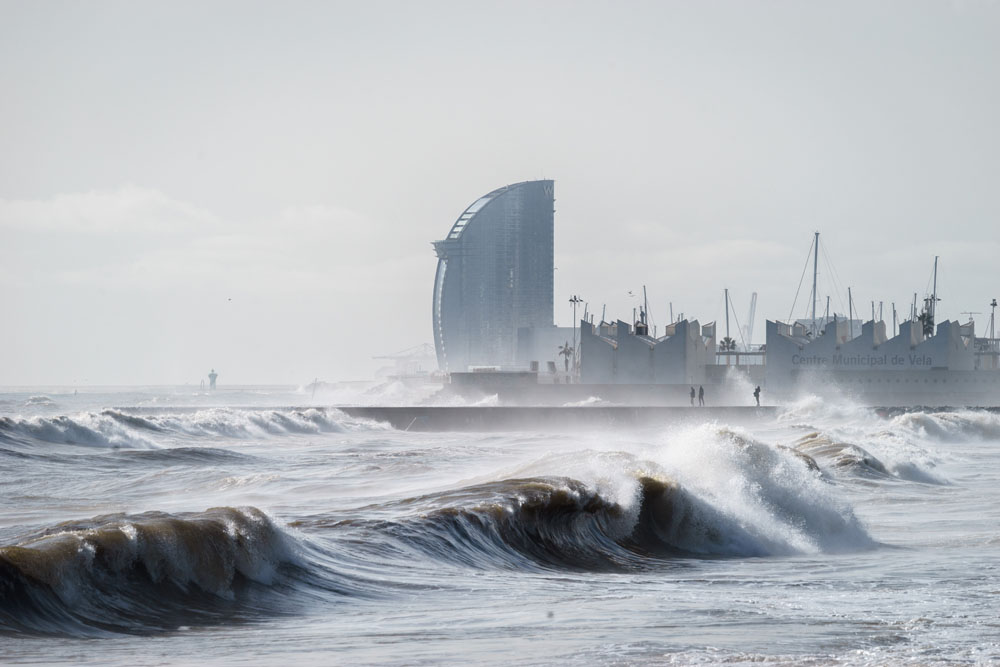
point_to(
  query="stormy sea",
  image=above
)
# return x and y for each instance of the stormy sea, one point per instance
(264, 526)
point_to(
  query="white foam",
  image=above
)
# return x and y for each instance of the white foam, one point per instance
(769, 494)
(738, 496)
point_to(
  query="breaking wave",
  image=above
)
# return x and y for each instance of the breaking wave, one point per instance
(946, 426)
(842, 455)
(117, 429)
(87, 429)
(563, 523)
(138, 573)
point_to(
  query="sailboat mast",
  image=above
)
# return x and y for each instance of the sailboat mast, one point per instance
(815, 274)
(934, 293)
(727, 315)
(850, 312)
(645, 305)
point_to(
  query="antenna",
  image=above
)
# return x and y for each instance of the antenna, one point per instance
(894, 334)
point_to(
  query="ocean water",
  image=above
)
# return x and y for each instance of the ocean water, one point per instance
(151, 526)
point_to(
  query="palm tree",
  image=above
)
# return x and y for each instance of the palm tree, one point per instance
(727, 344)
(566, 351)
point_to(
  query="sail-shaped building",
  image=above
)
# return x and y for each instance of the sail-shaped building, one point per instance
(494, 276)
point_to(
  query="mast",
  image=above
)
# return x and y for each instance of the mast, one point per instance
(645, 305)
(850, 312)
(750, 318)
(727, 314)
(934, 293)
(815, 273)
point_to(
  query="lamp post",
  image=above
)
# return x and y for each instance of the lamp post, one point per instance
(574, 300)
(993, 318)
(993, 336)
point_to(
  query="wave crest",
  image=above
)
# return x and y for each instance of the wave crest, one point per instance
(118, 429)
(132, 573)
(963, 424)
(564, 523)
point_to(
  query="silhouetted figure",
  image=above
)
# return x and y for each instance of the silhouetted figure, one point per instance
(692, 397)
(756, 395)
(211, 379)
(701, 395)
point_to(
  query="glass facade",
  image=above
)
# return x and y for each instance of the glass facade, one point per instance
(494, 276)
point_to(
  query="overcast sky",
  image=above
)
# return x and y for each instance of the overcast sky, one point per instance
(254, 186)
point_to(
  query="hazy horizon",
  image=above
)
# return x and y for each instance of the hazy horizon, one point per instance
(254, 187)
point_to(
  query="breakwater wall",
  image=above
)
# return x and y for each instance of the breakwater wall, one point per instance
(508, 418)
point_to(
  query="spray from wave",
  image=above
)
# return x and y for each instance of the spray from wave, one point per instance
(905, 444)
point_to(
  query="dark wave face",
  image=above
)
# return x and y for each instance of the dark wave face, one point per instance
(145, 572)
(531, 524)
(564, 524)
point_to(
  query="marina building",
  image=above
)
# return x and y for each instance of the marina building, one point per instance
(617, 353)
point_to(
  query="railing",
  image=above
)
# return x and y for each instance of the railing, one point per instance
(740, 358)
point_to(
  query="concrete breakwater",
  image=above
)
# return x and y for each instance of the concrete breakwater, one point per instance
(513, 418)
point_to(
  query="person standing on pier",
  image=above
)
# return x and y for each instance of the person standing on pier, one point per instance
(701, 395)
(756, 395)
(692, 397)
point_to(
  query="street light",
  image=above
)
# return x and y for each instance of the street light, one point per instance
(574, 300)
(993, 318)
